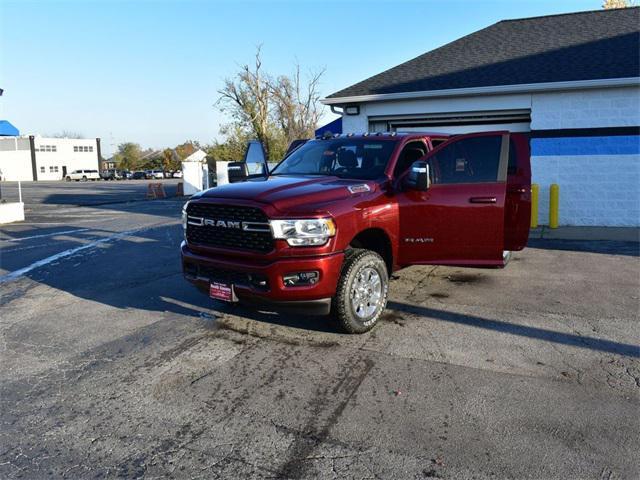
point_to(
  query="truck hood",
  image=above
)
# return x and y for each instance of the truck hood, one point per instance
(293, 193)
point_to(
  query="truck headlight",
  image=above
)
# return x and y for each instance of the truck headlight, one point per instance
(184, 216)
(302, 233)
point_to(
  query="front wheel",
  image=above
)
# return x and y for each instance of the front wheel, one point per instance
(362, 291)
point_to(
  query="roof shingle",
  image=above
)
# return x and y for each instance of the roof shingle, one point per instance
(590, 45)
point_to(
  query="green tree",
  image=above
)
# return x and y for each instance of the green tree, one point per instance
(128, 156)
(171, 161)
(187, 148)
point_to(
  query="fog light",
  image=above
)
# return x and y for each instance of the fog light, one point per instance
(300, 278)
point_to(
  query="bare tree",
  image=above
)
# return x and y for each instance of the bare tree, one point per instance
(273, 110)
(67, 134)
(297, 105)
(247, 97)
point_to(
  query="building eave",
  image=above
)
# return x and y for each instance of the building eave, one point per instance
(490, 90)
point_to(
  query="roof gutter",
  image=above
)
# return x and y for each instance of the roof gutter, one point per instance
(491, 90)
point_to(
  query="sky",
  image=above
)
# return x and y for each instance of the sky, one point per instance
(149, 71)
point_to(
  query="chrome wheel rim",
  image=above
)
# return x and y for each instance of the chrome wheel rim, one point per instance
(366, 292)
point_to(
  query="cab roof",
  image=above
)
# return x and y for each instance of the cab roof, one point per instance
(381, 135)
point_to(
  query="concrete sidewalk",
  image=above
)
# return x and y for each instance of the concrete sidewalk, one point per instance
(615, 234)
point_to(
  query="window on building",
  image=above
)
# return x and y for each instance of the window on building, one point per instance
(91, 149)
(75, 149)
(50, 169)
(54, 148)
(47, 148)
(55, 169)
(86, 149)
(41, 169)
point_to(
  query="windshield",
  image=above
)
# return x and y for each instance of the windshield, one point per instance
(361, 158)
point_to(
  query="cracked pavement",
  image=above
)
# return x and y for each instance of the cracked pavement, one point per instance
(111, 365)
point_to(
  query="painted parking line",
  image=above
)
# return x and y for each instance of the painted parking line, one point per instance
(64, 232)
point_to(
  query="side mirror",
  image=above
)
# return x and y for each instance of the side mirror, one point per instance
(256, 160)
(237, 171)
(419, 177)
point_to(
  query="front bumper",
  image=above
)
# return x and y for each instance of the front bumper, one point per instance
(201, 270)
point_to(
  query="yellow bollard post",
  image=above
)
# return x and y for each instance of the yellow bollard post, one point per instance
(535, 190)
(554, 205)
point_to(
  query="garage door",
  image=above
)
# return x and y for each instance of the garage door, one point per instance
(454, 122)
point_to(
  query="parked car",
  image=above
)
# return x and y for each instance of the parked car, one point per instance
(126, 174)
(177, 174)
(325, 229)
(158, 174)
(138, 176)
(111, 174)
(83, 175)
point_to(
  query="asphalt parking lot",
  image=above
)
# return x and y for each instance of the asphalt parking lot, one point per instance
(111, 365)
(55, 193)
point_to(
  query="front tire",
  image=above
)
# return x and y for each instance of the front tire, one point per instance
(362, 291)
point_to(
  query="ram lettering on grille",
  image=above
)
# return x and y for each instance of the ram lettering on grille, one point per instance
(229, 226)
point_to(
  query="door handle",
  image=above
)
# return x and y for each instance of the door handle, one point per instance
(483, 200)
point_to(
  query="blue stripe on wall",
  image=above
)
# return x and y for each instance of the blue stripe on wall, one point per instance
(610, 145)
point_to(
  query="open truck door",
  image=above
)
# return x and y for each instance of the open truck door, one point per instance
(517, 209)
(456, 216)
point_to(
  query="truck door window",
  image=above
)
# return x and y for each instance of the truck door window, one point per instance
(410, 153)
(469, 160)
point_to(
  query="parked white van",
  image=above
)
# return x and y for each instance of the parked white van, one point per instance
(155, 174)
(83, 175)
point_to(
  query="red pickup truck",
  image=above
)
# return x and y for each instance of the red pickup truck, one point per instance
(322, 232)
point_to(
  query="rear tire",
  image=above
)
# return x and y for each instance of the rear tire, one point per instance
(84, 178)
(362, 291)
(67, 178)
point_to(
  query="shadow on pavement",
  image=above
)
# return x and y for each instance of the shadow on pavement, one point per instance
(521, 330)
(631, 249)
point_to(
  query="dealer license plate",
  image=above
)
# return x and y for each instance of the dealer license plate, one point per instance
(222, 291)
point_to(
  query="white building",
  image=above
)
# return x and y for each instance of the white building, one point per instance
(571, 81)
(38, 158)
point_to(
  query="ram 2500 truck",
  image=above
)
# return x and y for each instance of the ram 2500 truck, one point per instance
(324, 230)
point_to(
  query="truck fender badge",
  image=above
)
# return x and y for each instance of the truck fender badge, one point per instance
(419, 240)
(360, 188)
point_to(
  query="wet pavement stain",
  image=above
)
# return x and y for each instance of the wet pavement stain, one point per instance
(465, 277)
(439, 295)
